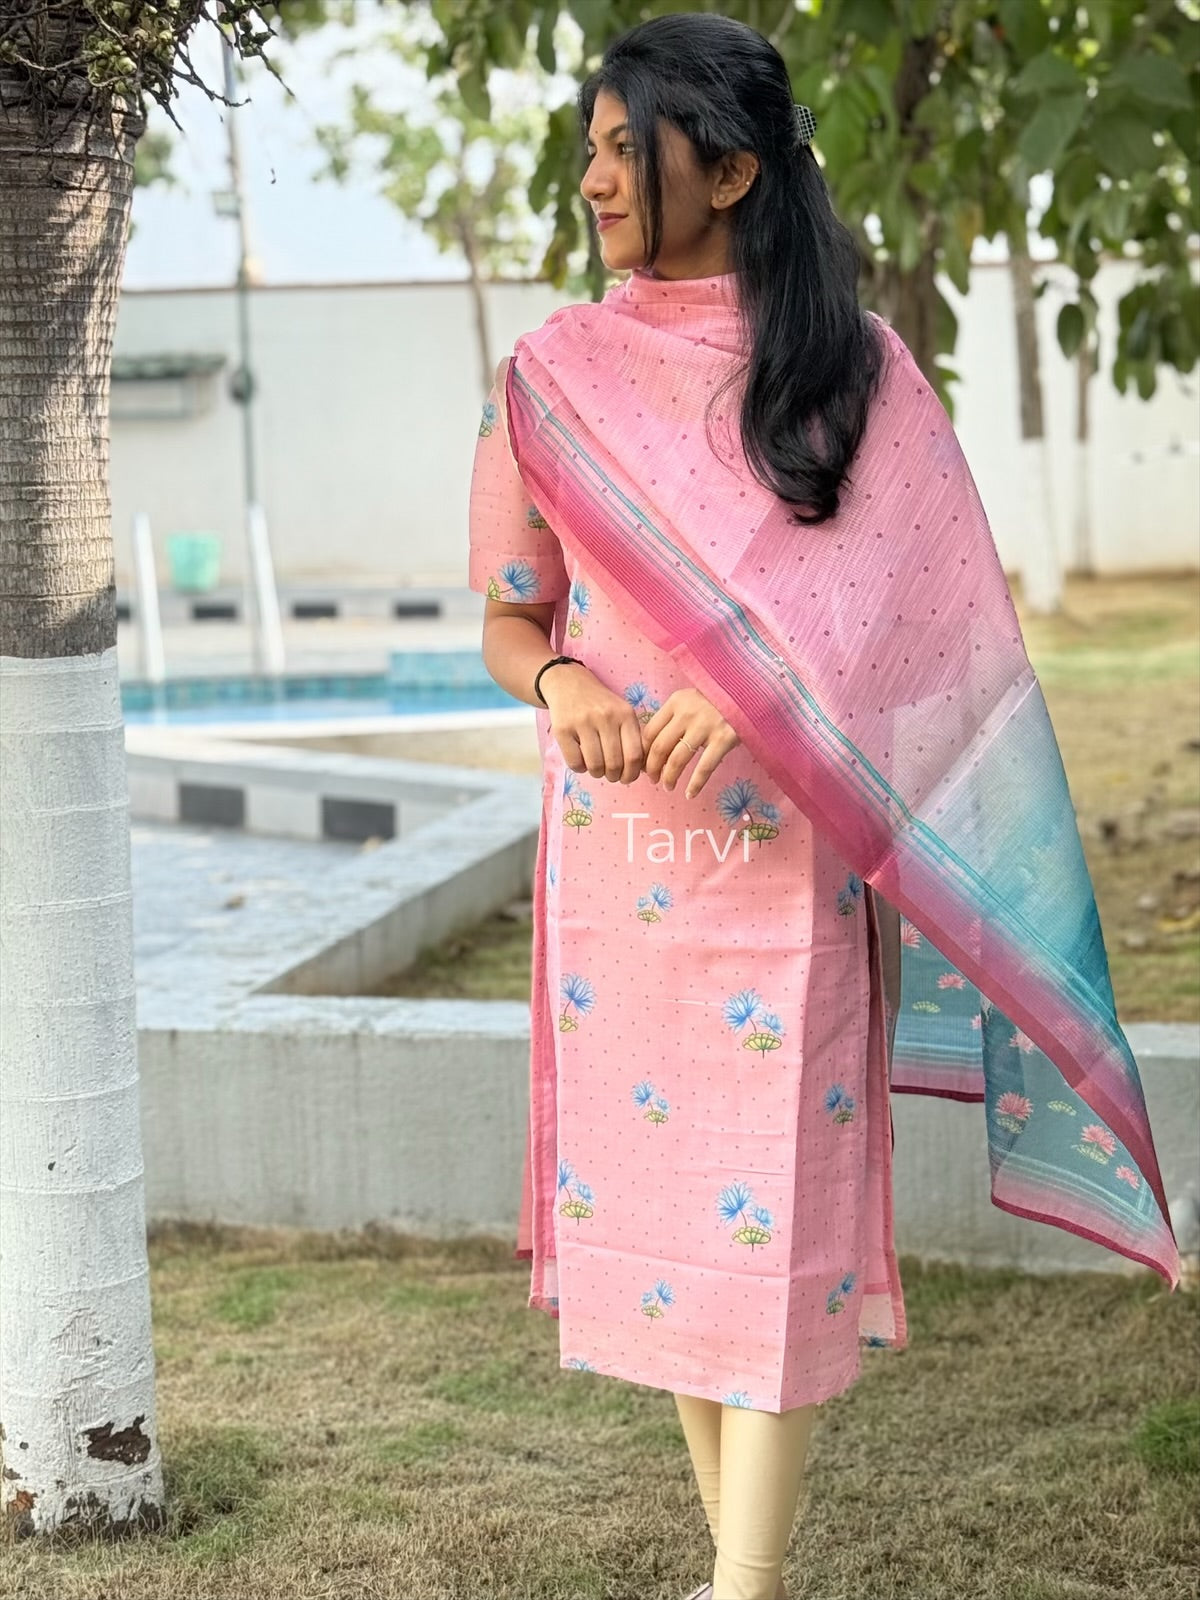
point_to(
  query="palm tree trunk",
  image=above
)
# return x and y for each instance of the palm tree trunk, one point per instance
(1041, 570)
(78, 1442)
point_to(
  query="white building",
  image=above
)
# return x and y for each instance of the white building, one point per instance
(368, 397)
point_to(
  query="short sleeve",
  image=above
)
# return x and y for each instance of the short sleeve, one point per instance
(514, 553)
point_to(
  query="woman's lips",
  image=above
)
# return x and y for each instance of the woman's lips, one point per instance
(608, 222)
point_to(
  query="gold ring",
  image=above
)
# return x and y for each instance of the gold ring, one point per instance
(691, 747)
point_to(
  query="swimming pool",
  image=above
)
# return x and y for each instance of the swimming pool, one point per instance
(417, 682)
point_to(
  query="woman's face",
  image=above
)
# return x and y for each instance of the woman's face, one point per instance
(696, 202)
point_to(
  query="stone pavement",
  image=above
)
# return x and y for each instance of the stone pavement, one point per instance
(190, 880)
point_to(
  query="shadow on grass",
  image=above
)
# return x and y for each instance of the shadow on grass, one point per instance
(1168, 1440)
(217, 1485)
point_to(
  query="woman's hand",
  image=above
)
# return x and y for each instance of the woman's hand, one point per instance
(686, 714)
(597, 730)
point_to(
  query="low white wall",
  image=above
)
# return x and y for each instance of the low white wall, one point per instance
(369, 396)
(327, 1112)
(272, 1092)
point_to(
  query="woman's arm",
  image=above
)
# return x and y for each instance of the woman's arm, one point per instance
(516, 641)
(597, 730)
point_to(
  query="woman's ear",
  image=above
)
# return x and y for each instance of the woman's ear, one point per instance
(735, 176)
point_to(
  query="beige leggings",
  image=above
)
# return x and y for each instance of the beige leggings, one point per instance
(749, 1466)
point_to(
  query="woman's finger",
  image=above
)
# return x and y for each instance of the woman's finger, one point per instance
(652, 727)
(713, 754)
(571, 753)
(612, 744)
(631, 745)
(660, 747)
(592, 750)
(680, 756)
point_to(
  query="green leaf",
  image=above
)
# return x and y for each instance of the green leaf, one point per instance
(1179, 348)
(1112, 213)
(1140, 338)
(922, 17)
(544, 175)
(1122, 141)
(597, 20)
(505, 46)
(945, 325)
(1050, 130)
(1075, 182)
(924, 177)
(1184, 128)
(1137, 299)
(1070, 329)
(472, 85)
(911, 243)
(1048, 73)
(956, 262)
(546, 54)
(1025, 26)
(1159, 79)
(967, 153)
(842, 135)
(944, 376)
(869, 19)
(808, 86)
(883, 87)
(1186, 44)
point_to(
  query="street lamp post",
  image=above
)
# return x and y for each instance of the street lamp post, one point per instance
(269, 631)
(242, 383)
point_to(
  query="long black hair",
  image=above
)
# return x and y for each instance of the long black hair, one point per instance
(814, 355)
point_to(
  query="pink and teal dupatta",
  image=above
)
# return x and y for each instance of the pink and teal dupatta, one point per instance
(874, 665)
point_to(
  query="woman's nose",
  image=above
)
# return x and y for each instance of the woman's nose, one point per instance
(596, 184)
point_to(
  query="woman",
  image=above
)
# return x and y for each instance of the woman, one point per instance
(716, 518)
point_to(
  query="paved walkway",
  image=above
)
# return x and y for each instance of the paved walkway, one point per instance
(188, 879)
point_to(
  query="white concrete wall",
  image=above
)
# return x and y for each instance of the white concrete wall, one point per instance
(1144, 462)
(369, 397)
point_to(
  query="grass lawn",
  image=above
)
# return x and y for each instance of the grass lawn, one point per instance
(1121, 672)
(378, 1416)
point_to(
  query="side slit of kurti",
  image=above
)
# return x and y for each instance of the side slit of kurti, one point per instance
(539, 1181)
(881, 1290)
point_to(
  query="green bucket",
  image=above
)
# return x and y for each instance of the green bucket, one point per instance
(194, 560)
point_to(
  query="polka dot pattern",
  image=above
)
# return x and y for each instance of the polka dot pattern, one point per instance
(679, 1128)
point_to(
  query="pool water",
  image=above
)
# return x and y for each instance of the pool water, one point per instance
(424, 683)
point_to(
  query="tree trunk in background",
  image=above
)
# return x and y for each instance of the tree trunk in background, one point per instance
(77, 1442)
(482, 332)
(909, 302)
(1041, 569)
(1085, 369)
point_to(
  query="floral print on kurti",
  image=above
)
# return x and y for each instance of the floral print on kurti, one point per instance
(723, 1214)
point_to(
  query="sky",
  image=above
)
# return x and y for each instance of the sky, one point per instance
(303, 228)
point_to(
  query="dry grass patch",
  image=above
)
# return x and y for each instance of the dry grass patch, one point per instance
(373, 1415)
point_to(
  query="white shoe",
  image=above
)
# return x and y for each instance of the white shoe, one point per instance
(704, 1592)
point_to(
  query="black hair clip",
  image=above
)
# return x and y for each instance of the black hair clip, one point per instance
(806, 124)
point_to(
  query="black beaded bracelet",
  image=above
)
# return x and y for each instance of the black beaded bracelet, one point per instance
(553, 661)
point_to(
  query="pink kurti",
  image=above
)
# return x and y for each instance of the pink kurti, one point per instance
(722, 1206)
